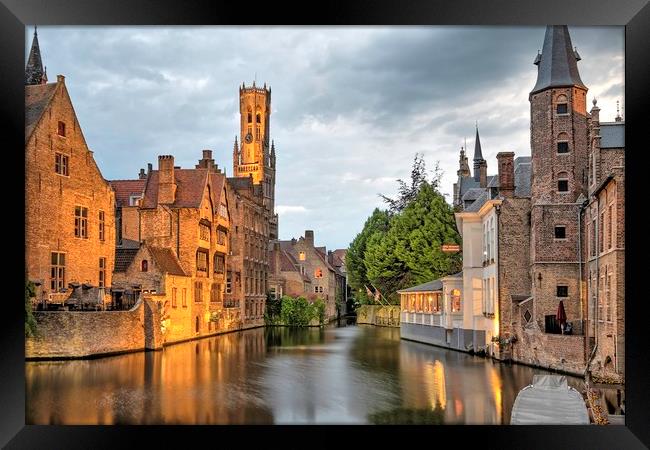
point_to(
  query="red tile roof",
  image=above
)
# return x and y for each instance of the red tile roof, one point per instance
(124, 189)
(190, 185)
(166, 261)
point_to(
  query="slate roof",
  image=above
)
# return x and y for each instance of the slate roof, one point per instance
(125, 188)
(558, 63)
(473, 194)
(479, 202)
(34, 73)
(612, 135)
(467, 183)
(478, 154)
(430, 286)
(166, 261)
(37, 99)
(523, 170)
(124, 257)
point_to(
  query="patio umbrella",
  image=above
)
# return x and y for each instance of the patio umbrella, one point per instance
(561, 314)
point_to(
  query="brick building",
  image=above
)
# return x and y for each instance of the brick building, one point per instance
(247, 277)
(185, 214)
(302, 269)
(69, 206)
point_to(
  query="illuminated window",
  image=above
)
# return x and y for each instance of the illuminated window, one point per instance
(301, 256)
(57, 272)
(61, 164)
(455, 300)
(318, 273)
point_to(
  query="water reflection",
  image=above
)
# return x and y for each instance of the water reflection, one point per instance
(347, 374)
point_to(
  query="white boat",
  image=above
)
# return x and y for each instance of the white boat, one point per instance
(549, 401)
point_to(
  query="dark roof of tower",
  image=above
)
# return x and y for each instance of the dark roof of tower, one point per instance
(34, 72)
(557, 65)
(523, 169)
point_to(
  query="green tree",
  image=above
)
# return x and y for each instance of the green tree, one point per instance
(378, 222)
(410, 252)
(30, 322)
(407, 193)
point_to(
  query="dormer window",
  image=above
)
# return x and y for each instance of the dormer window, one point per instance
(61, 129)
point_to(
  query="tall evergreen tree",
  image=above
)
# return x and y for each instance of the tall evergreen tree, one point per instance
(376, 223)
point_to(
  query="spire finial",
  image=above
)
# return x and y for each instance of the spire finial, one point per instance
(35, 32)
(594, 101)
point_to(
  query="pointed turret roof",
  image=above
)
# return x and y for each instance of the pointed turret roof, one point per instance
(557, 65)
(478, 154)
(34, 73)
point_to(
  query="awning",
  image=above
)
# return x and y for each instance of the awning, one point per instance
(549, 400)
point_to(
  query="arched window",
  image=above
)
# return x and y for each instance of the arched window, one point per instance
(258, 117)
(561, 104)
(455, 300)
(563, 143)
(562, 182)
(144, 266)
(250, 116)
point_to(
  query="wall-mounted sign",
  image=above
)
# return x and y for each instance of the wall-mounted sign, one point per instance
(450, 248)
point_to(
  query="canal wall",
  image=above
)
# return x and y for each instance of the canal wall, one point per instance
(79, 334)
(563, 353)
(387, 316)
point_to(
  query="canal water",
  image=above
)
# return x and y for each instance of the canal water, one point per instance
(340, 374)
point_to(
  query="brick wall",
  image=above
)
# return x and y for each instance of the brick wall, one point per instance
(80, 334)
(551, 351)
(514, 257)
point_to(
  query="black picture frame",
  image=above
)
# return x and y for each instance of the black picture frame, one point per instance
(15, 14)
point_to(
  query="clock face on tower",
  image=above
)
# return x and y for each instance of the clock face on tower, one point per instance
(248, 138)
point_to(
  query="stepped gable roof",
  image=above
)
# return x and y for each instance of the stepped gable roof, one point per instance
(37, 99)
(124, 189)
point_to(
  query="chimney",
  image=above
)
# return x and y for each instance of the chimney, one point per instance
(309, 237)
(506, 173)
(206, 162)
(482, 170)
(149, 167)
(166, 181)
(142, 175)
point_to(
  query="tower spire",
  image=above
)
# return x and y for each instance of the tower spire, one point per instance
(618, 112)
(557, 65)
(480, 165)
(34, 73)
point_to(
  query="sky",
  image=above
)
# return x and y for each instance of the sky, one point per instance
(351, 106)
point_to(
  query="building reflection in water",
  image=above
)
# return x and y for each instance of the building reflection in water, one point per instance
(355, 374)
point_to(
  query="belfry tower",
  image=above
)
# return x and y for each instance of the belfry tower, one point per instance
(254, 155)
